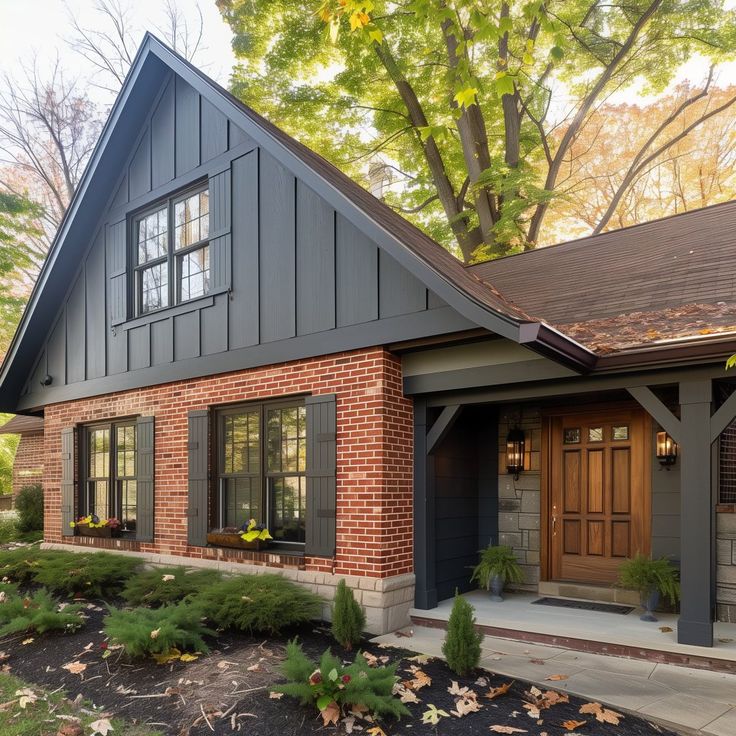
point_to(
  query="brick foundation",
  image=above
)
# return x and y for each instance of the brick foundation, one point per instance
(374, 458)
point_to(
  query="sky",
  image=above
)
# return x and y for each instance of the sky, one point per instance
(43, 28)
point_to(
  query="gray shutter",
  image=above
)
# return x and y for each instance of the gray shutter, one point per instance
(220, 242)
(68, 487)
(145, 476)
(117, 283)
(321, 487)
(197, 449)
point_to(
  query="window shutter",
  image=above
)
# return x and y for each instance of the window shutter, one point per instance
(321, 486)
(197, 448)
(117, 284)
(220, 242)
(145, 476)
(68, 487)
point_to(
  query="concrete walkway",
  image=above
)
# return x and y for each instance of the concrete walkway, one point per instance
(686, 700)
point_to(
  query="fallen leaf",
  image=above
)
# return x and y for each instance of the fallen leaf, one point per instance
(603, 715)
(455, 689)
(537, 661)
(482, 682)
(166, 578)
(275, 696)
(665, 629)
(419, 658)
(722, 641)
(405, 634)
(557, 678)
(405, 695)
(463, 706)
(420, 680)
(76, 668)
(166, 657)
(432, 715)
(349, 724)
(330, 713)
(26, 696)
(70, 729)
(155, 633)
(27, 641)
(506, 729)
(373, 660)
(101, 726)
(572, 725)
(495, 692)
(256, 668)
(376, 731)
(188, 657)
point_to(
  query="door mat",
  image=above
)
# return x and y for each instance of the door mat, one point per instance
(584, 605)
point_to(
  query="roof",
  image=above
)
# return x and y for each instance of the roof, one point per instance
(420, 255)
(21, 424)
(665, 280)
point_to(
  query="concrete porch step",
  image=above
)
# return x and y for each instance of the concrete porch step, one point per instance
(583, 592)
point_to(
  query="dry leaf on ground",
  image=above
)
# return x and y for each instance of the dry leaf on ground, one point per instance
(275, 696)
(572, 725)
(603, 715)
(496, 692)
(330, 713)
(26, 696)
(506, 729)
(101, 726)
(376, 731)
(433, 714)
(76, 668)
(557, 678)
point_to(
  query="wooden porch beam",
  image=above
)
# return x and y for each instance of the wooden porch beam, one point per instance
(656, 408)
(442, 426)
(723, 417)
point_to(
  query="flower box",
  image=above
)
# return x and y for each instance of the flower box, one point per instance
(98, 531)
(225, 539)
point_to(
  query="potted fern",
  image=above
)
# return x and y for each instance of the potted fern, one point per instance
(497, 566)
(652, 579)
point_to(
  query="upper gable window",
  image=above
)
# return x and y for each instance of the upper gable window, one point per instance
(172, 253)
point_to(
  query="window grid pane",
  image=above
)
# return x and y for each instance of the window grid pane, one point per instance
(192, 220)
(154, 287)
(288, 507)
(153, 236)
(194, 274)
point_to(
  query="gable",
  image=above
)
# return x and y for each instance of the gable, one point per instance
(291, 276)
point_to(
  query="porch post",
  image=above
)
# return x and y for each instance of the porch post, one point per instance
(425, 593)
(695, 625)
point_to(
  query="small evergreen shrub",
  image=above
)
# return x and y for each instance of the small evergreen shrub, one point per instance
(462, 642)
(164, 585)
(151, 631)
(258, 604)
(37, 612)
(333, 687)
(20, 564)
(29, 505)
(348, 619)
(96, 575)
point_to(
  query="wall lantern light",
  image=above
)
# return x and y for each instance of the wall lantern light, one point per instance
(515, 452)
(666, 450)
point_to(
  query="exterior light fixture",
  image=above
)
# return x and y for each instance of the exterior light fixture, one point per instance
(515, 452)
(666, 450)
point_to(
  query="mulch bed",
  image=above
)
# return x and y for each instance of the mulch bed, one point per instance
(227, 690)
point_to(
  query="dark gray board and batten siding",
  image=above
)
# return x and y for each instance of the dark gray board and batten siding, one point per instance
(291, 277)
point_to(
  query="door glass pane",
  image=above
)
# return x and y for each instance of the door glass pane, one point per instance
(621, 432)
(571, 436)
(241, 502)
(287, 439)
(288, 506)
(595, 434)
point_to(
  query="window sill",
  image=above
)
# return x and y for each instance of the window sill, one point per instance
(156, 316)
(269, 557)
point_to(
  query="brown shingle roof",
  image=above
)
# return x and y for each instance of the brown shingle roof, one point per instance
(21, 424)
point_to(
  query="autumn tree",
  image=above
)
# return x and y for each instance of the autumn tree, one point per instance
(477, 105)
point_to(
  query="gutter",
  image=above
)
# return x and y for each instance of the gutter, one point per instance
(553, 344)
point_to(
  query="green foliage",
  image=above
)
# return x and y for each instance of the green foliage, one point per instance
(446, 91)
(348, 619)
(462, 641)
(150, 631)
(645, 575)
(37, 612)
(497, 560)
(29, 504)
(258, 603)
(97, 574)
(9, 532)
(163, 585)
(20, 564)
(8, 446)
(329, 683)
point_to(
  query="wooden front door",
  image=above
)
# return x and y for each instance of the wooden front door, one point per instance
(599, 493)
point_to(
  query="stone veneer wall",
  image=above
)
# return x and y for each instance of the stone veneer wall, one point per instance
(726, 564)
(519, 501)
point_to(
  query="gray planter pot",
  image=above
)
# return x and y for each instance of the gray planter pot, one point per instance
(496, 588)
(649, 602)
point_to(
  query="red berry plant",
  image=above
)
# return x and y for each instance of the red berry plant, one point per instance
(335, 688)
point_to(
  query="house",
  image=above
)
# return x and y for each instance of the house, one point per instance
(228, 328)
(28, 461)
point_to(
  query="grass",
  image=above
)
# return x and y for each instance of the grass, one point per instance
(43, 715)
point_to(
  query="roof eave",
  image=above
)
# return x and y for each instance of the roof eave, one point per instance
(553, 344)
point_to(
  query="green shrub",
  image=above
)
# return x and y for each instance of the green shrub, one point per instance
(497, 560)
(462, 642)
(37, 612)
(29, 505)
(329, 683)
(645, 575)
(258, 603)
(348, 619)
(20, 564)
(96, 575)
(150, 631)
(167, 585)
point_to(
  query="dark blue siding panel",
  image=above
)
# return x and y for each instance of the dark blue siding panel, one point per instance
(186, 127)
(56, 354)
(95, 308)
(356, 275)
(186, 336)
(315, 262)
(277, 257)
(162, 341)
(214, 326)
(236, 136)
(400, 292)
(139, 348)
(162, 139)
(244, 308)
(75, 332)
(214, 131)
(139, 172)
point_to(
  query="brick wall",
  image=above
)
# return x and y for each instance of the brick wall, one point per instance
(28, 462)
(374, 453)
